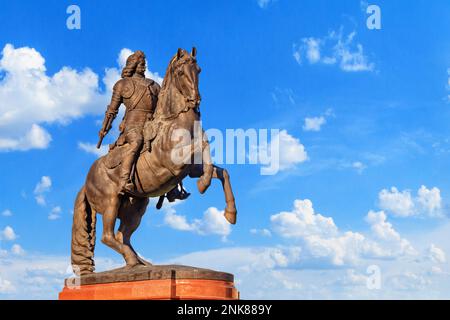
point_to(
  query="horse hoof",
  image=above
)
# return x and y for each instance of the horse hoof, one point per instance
(84, 273)
(230, 215)
(145, 263)
(131, 266)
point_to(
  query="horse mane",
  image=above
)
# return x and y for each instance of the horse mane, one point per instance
(168, 76)
(170, 102)
(167, 103)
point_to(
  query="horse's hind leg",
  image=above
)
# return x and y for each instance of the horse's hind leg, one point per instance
(224, 177)
(130, 217)
(108, 237)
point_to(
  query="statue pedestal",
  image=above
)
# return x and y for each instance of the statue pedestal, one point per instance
(152, 283)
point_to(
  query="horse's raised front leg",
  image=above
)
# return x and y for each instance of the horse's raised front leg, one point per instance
(224, 177)
(205, 179)
(108, 237)
(130, 218)
(230, 209)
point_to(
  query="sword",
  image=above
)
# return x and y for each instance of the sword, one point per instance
(108, 125)
(99, 143)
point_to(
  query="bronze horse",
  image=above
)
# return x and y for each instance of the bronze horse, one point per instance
(154, 175)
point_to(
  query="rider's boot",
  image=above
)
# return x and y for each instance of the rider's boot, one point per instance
(177, 193)
(126, 172)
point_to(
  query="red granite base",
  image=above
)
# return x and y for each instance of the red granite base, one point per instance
(166, 289)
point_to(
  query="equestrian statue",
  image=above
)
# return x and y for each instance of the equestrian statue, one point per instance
(149, 159)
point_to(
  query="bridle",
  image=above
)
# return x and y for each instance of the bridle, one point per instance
(189, 102)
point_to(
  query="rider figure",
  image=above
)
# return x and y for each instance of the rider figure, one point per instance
(140, 96)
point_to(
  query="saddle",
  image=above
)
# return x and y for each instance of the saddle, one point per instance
(115, 155)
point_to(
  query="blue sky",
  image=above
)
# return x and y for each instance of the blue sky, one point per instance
(369, 108)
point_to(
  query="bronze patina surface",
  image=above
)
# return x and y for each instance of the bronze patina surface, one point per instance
(140, 164)
(160, 272)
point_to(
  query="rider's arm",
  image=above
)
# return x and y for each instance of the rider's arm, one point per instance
(113, 108)
(116, 99)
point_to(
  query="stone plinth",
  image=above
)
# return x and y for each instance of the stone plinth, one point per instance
(172, 282)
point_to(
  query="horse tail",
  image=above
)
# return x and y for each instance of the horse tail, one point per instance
(83, 235)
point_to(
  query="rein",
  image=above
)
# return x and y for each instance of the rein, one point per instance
(189, 104)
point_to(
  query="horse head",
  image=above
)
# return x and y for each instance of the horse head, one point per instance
(186, 73)
(180, 85)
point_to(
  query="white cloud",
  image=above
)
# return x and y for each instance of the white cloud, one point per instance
(345, 249)
(292, 152)
(351, 61)
(436, 254)
(288, 149)
(381, 228)
(91, 148)
(212, 223)
(282, 272)
(40, 199)
(322, 262)
(8, 234)
(7, 213)
(302, 222)
(385, 232)
(277, 273)
(335, 48)
(359, 166)
(314, 124)
(155, 76)
(35, 138)
(17, 250)
(123, 56)
(261, 232)
(297, 56)
(274, 272)
(39, 276)
(176, 221)
(32, 99)
(42, 187)
(312, 47)
(242, 259)
(429, 200)
(6, 286)
(403, 204)
(352, 278)
(55, 213)
(398, 203)
(324, 243)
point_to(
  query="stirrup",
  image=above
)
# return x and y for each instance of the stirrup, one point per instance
(172, 195)
(176, 194)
